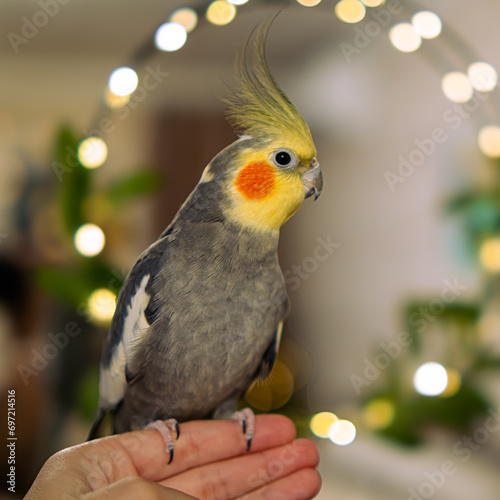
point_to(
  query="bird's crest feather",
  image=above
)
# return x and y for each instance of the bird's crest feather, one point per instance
(259, 107)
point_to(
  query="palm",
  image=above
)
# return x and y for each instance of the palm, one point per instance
(209, 463)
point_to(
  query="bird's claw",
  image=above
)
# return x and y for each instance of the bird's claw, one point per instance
(177, 429)
(165, 428)
(247, 419)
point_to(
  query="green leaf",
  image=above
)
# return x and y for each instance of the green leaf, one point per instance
(73, 285)
(134, 186)
(74, 179)
(88, 394)
(65, 284)
(458, 413)
(418, 317)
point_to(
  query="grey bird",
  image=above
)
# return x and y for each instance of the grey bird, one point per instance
(200, 316)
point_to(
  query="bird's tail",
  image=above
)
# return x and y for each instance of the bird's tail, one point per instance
(97, 424)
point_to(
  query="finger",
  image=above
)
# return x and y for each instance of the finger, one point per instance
(237, 476)
(301, 485)
(132, 488)
(201, 442)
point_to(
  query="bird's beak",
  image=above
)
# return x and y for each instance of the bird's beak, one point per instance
(313, 180)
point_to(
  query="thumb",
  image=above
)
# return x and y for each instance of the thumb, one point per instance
(132, 488)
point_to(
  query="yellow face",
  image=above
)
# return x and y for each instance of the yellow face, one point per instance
(267, 186)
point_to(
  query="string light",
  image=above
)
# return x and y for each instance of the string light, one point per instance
(185, 16)
(427, 24)
(102, 305)
(321, 422)
(114, 101)
(342, 433)
(482, 76)
(457, 87)
(309, 3)
(373, 3)
(379, 413)
(221, 12)
(92, 152)
(404, 37)
(170, 36)
(350, 11)
(489, 141)
(489, 255)
(123, 81)
(454, 383)
(89, 240)
(431, 379)
(275, 391)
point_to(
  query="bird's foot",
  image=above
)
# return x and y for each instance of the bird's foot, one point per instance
(247, 419)
(166, 428)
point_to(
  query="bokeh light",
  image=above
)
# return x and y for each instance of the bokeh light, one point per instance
(457, 87)
(237, 2)
(309, 3)
(123, 81)
(427, 24)
(186, 16)
(489, 255)
(221, 12)
(92, 152)
(454, 383)
(170, 36)
(89, 240)
(482, 76)
(274, 392)
(404, 37)
(431, 379)
(114, 101)
(350, 11)
(321, 422)
(101, 305)
(489, 141)
(373, 3)
(342, 432)
(379, 413)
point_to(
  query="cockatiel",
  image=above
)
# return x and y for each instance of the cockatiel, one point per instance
(200, 315)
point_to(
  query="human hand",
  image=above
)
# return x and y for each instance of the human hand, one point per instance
(209, 463)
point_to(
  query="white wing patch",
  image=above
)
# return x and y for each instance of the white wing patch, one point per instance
(279, 332)
(112, 382)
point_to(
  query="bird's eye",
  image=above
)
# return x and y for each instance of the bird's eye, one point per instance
(284, 158)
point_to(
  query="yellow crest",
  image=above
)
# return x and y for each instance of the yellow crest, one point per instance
(259, 107)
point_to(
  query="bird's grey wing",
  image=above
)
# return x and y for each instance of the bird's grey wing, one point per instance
(271, 353)
(268, 359)
(129, 328)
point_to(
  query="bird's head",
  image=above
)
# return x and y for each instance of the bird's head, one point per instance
(272, 167)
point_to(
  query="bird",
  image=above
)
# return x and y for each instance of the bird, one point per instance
(199, 317)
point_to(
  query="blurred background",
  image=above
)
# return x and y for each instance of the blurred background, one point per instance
(391, 356)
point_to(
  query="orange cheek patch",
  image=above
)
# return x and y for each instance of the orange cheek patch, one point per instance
(256, 181)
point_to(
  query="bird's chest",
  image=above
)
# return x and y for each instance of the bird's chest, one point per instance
(218, 332)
